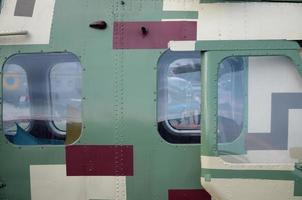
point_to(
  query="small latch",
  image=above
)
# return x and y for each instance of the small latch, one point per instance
(299, 166)
(98, 25)
(2, 185)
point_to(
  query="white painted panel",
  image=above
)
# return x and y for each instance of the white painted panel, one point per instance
(250, 189)
(268, 75)
(38, 26)
(50, 182)
(239, 21)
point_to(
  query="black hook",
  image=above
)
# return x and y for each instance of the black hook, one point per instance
(144, 30)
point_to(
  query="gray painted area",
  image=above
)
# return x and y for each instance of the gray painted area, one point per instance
(278, 138)
(25, 8)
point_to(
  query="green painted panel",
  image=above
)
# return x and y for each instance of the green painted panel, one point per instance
(119, 101)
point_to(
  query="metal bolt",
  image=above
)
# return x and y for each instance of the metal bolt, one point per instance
(2, 185)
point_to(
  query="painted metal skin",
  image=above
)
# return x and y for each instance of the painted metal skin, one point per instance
(119, 103)
(234, 1)
(212, 54)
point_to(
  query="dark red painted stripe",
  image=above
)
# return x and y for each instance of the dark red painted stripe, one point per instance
(129, 35)
(99, 160)
(189, 195)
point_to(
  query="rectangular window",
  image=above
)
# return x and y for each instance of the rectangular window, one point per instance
(179, 96)
(42, 99)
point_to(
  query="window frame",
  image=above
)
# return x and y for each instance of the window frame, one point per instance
(165, 129)
(212, 164)
(214, 52)
(57, 133)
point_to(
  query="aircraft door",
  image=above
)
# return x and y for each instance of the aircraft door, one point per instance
(251, 120)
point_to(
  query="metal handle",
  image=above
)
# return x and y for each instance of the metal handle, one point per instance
(15, 33)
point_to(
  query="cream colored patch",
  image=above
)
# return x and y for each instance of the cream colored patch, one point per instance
(296, 153)
(181, 5)
(240, 21)
(50, 182)
(241, 162)
(270, 156)
(250, 189)
(38, 26)
(182, 45)
(266, 76)
(294, 128)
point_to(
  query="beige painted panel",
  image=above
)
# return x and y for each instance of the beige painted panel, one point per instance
(250, 189)
(182, 45)
(38, 26)
(50, 182)
(181, 5)
(239, 21)
(243, 162)
(295, 127)
(270, 156)
(266, 76)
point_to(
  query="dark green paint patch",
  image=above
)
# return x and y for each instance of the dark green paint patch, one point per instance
(298, 188)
